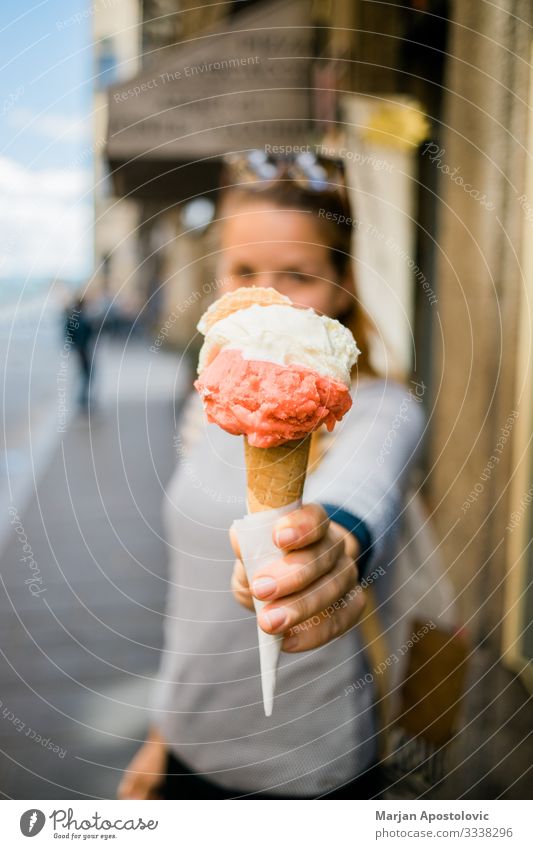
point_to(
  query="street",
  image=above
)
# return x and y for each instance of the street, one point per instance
(83, 584)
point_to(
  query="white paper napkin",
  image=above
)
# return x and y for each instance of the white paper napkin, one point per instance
(254, 533)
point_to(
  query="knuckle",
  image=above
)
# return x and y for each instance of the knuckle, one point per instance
(238, 575)
(324, 546)
(244, 600)
(320, 512)
(316, 562)
(336, 585)
(297, 559)
(301, 576)
(241, 594)
(316, 517)
(350, 573)
(353, 596)
(301, 610)
(321, 519)
(334, 626)
(337, 534)
(333, 556)
(340, 542)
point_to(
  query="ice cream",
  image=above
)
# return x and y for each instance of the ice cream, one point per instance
(269, 403)
(286, 335)
(273, 373)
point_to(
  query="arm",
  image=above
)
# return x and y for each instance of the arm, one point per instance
(145, 773)
(366, 472)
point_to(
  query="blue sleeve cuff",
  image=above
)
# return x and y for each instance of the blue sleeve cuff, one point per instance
(358, 528)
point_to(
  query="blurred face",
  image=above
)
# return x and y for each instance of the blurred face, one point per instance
(262, 245)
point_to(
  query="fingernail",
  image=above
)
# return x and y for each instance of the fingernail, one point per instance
(276, 618)
(263, 587)
(286, 537)
(290, 644)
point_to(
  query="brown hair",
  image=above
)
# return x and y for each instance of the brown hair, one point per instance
(334, 217)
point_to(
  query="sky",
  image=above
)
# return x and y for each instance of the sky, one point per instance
(46, 69)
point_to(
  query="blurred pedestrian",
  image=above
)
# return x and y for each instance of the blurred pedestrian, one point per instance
(79, 333)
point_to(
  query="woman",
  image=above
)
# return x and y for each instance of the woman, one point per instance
(285, 224)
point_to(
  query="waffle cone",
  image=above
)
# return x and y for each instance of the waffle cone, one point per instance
(240, 299)
(275, 476)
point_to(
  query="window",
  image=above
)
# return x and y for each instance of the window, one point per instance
(106, 63)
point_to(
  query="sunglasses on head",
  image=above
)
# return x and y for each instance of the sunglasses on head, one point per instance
(259, 170)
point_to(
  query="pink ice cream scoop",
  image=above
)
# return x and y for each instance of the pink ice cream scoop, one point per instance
(271, 371)
(267, 402)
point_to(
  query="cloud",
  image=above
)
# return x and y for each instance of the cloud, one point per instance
(61, 128)
(45, 217)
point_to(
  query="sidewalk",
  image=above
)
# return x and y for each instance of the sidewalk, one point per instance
(80, 644)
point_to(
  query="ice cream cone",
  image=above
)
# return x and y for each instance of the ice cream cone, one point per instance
(275, 476)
